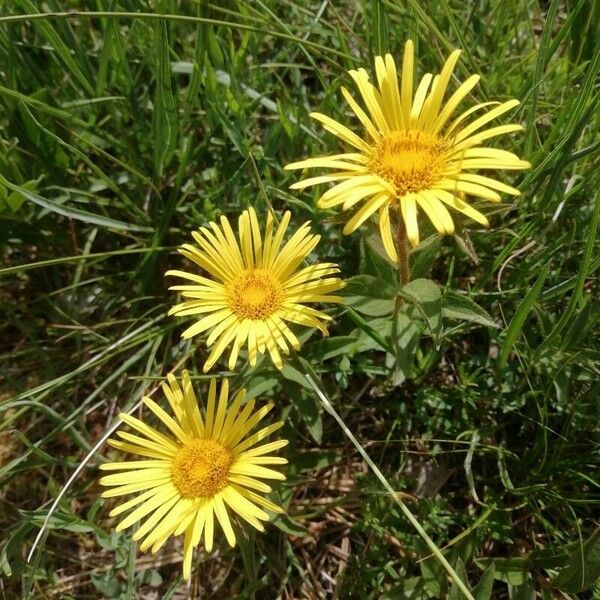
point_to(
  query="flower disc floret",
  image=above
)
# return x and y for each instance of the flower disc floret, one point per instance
(254, 295)
(201, 467)
(411, 161)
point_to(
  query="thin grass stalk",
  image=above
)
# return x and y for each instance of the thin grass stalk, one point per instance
(85, 461)
(386, 484)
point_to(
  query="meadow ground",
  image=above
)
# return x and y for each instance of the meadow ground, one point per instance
(122, 131)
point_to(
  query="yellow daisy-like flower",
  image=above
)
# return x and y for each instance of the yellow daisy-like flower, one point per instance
(201, 468)
(413, 155)
(255, 286)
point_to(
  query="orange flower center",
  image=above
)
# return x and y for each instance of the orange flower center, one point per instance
(200, 468)
(411, 160)
(255, 295)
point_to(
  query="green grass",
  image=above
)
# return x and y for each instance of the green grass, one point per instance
(120, 133)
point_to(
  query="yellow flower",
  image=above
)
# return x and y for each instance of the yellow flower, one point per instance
(201, 468)
(255, 286)
(412, 154)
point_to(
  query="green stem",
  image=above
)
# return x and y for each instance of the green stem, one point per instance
(402, 250)
(430, 543)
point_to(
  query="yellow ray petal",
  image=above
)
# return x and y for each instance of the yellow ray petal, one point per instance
(266, 448)
(385, 230)
(486, 135)
(437, 94)
(167, 525)
(363, 213)
(232, 414)
(125, 506)
(210, 406)
(301, 185)
(389, 107)
(420, 96)
(171, 424)
(221, 409)
(361, 114)
(132, 488)
(326, 162)
(163, 496)
(140, 450)
(241, 505)
(257, 499)
(149, 432)
(354, 195)
(166, 451)
(209, 527)
(407, 80)
(483, 120)
(257, 437)
(340, 131)
(488, 163)
(408, 206)
(141, 476)
(466, 187)
(250, 482)
(490, 183)
(466, 114)
(192, 538)
(458, 204)
(437, 213)
(245, 235)
(454, 101)
(392, 78)
(251, 470)
(208, 322)
(223, 519)
(195, 278)
(372, 100)
(239, 431)
(256, 237)
(154, 518)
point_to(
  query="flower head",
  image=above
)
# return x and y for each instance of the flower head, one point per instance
(254, 286)
(201, 467)
(413, 155)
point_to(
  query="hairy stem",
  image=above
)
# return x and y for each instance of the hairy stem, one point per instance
(402, 250)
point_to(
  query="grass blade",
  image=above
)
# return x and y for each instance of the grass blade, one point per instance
(516, 325)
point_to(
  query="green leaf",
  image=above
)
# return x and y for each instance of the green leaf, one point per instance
(583, 567)
(288, 525)
(306, 405)
(72, 213)
(370, 331)
(165, 113)
(483, 589)
(379, 20)
(525, 591)
(424, 256)
(63, 521)
(369, 295)
(455, 592)
(459, 306)
(515, 326)
(513, 571)
(12, 548)
(327, 348)
(404, 335)
(291, 372)
(426, 296)
(369, 286)
(59, 47)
